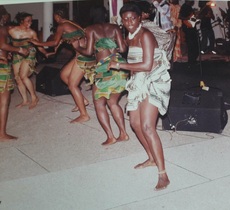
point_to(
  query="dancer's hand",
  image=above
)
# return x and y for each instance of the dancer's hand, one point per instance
(34, 41)
(76, 44)
(113, 65)
(23, 51)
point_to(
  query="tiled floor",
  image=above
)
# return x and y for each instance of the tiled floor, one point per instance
(55, 165)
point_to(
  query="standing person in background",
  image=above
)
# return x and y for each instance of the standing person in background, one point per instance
(148, 88)
(164, 39)
(6, 81)
(105, 41)
(206, 17)
(177, 23)
(189, 28)
(162, 14)
(25, 66)
(163, 20)
(226, 18)
(74, 71)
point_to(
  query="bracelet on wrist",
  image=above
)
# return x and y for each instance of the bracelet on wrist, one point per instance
(118, 66)
(20, 50)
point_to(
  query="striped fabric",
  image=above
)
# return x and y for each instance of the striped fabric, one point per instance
(112, 81)
(6, 81)
(31, 58)
(155, 84)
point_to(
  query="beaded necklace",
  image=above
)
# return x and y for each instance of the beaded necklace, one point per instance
(131, 36)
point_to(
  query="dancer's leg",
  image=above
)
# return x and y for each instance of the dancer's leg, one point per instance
(75, 79)
(103, 118)
(135, 123)
(4, 110)
(24, 75)
(118, 116)
(21, 87)
(148, 117)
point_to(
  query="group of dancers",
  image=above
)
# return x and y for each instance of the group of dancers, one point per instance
(144, 74)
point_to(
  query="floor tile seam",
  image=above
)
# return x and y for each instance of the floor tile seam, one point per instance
(90, 164)
(5, 147)
(37, 163)
(156, 196)
(180, 133)
(190, 171)
(225, 135)
(184, 144)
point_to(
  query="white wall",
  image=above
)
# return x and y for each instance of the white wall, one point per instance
(36, 9)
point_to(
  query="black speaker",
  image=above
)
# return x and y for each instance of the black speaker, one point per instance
(196, 110)
(48, 81)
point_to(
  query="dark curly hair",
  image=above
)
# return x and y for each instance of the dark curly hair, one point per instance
(21, 16)
(98, 14)
(3, 11)
(61, 13)
(145, 6)
(130, 7)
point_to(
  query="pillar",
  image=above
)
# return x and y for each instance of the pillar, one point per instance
(47, 19)
(114, 8)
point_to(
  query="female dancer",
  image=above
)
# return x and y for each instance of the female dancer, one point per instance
(6, 81)
(148, 87)
(108, 86)
(78, 67)
(24, 66)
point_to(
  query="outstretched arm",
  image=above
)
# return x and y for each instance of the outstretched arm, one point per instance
(52, 43)
(41, 49)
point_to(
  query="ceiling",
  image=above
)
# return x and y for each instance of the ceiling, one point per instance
(5, 2)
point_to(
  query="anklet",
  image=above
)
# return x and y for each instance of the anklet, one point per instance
(162, 172)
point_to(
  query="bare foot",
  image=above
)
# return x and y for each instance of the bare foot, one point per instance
(33, 103)
(76, 109)
(145, 164)
(124, 137)
(6, 136)
(163, 182)
(80, 119)
(109, 142)
(22, 104)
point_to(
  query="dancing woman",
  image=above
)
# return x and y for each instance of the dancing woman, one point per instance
(24, 66)
(6, 81)
(148, 87)
(80, 66)
(105, 41)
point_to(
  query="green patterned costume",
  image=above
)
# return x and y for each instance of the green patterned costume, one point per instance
(87, 64)
(74, 35)
(112, 81)
(6, 80)
(31, 58)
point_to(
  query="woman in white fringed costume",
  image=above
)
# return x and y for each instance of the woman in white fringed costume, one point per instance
(148, 87)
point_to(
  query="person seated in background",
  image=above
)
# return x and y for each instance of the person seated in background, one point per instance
(206, 16)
